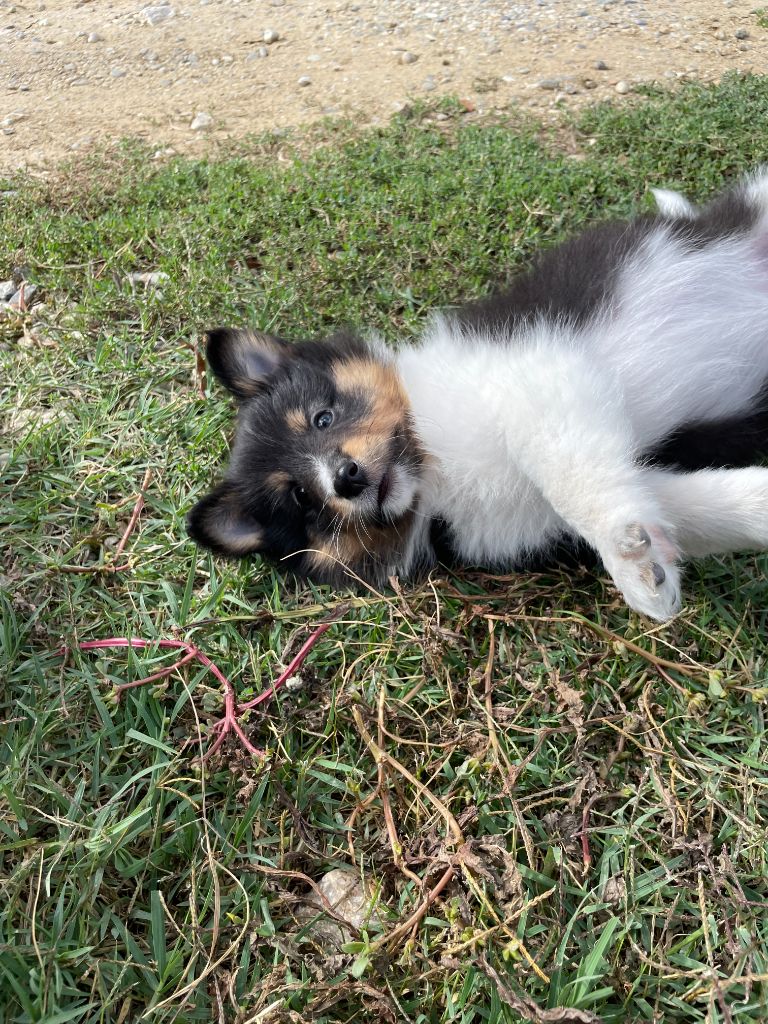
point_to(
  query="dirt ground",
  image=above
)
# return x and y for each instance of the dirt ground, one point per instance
(74, 72)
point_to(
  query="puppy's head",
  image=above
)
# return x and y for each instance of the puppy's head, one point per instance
(324, 470)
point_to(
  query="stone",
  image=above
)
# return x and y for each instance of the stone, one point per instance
(305, 80)
(156, 14)
(150, 278)
(270, 35)
(623, 87)
(258, 54)
(408, 58)
(39, 312)
(7, 289)
(551, 84)
(201, 121)
(118, 73)
(429, 84)
(600, 65)
(741, 33)
(24, 297)
(351, 900)
(94, 37)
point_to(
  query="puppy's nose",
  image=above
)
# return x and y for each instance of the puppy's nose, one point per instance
(349, 480)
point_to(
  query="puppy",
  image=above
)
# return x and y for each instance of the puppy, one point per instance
(615, 394)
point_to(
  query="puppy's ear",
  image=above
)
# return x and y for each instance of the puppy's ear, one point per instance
(220, 522)
(245, 360)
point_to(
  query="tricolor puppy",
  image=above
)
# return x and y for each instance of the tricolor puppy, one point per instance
(616, 394)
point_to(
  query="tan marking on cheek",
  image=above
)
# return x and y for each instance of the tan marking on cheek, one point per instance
(337, 507)
(377, 545)
(320, 560)
(277, 480)
(296, 420)
(360, 446)
(327, 554)
(378, 380)
(388, 403)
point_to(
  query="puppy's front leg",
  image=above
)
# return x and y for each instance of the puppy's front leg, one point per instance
(570, 434)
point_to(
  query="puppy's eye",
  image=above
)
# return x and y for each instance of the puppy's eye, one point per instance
(323, 419)
(301, 497)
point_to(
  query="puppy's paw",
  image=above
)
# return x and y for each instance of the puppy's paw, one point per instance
(641, 558)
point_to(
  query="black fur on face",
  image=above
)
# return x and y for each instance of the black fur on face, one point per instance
(324, 468)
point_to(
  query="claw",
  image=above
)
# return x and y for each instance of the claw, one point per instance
(636, 541)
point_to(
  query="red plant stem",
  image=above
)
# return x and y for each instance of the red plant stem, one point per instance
(295, 663)
(232, 711)
(227, 723)
(190, 656)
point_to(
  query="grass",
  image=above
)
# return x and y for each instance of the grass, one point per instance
(597, 787)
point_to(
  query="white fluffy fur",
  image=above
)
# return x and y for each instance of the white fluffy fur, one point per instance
(535, 437)
(672, 204)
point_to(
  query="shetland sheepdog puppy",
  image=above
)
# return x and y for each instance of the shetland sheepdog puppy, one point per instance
(616, 394)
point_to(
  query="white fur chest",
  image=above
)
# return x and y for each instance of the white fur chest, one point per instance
(459, 395)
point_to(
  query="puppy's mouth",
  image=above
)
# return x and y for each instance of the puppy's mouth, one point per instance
(384, 486)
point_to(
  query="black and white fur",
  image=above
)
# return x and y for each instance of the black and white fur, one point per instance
(617, 393)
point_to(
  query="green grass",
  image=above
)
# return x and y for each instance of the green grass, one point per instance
(131, 881)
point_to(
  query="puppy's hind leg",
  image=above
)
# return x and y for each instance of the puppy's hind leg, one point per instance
(714, 511)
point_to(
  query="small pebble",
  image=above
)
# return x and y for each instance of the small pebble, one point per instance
(150, 279)
(408, 58)
(305, 80)
(94, 37)
(549, 83)
(155, 15)
(7, 289)
(429, 84)
(201, 121)
(622, 87)
(271, 35)
(600, 65)
(118, 73)
(24, 297)
(741, 33)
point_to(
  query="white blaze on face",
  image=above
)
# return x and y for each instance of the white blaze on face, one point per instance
(400, 497)
(324, 478)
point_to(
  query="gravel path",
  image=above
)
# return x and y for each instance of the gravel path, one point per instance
(187, 74)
